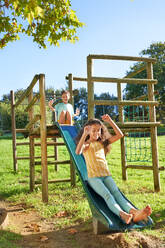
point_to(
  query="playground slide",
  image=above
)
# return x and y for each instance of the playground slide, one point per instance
(99, 209)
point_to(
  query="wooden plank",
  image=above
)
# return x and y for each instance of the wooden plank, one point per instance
(22, 130)
(78, 79)
(54, 162)
(13, 125)
(55, 181)
(26, 93)
(122, 140)
(123, 80)
(119, 57)
(33, 101)
(43, 138)
(33, 121)
(125, 103)
(31, 143)
(142, 167)
(90, 87)
(138, 124)
(154, 142)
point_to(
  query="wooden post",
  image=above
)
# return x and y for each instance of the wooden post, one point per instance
(154, 143)
(31, 145)
(72, 174)
(98, 227)
(72, 169)
(70, 80)
(13, 124)
(122, 140)
(55, 154)
(90, 86)
(43, 139)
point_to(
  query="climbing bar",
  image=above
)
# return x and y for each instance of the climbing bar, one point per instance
(144, 167)
(118, 57)
(33, 101)
(125, 103)
(26, 93)
(138, 124)
(77, 78)
(123, 80)
(55, 181)
(54, 162)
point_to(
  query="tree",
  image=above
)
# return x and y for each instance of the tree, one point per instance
(156, 50)
(48, 22)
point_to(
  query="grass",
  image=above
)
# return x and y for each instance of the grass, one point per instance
(62, 197)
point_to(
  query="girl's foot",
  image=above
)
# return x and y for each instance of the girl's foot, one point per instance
(139, 215)
(126, 217)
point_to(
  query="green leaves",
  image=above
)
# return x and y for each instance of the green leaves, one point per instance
(48, 22)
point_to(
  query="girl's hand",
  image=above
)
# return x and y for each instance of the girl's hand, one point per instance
(87, 130)
(106, 118)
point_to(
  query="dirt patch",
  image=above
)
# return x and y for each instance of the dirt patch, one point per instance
(42, 233)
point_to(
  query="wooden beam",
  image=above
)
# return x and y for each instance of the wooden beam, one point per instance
(125, 103)
(13, 125)
(123, 80)
(119, 57)
(33, 101)
(43, 139)
(26, 93)
(33, 121)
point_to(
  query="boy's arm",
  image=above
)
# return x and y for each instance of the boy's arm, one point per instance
(50, 105)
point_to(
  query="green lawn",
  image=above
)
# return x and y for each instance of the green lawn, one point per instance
(62, 197)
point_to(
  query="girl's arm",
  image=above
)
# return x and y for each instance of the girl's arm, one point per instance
(118, 132)
(81, 144)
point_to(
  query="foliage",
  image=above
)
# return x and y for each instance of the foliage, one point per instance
(46, 21)
(20, 115)
(156, 50)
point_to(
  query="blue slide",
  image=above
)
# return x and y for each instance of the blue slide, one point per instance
(99, 209)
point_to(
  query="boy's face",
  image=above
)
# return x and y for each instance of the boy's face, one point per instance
(65, 98)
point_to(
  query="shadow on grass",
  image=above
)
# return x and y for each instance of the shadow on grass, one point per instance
(9, 239)
(157, 215)
(15, 191)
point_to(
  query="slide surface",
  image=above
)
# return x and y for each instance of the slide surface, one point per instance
(97, 204)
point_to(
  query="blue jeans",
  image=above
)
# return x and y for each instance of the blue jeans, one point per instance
(106, 188)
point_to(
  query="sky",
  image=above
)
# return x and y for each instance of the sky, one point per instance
(115, 27)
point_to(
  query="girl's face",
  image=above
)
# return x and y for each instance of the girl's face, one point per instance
(95, 132)
(65, 98)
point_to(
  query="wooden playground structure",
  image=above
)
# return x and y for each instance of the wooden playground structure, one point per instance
(45, 131)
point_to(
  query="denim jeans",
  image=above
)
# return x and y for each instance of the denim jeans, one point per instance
(106, 188)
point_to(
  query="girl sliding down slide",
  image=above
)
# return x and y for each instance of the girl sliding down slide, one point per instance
(94, 141)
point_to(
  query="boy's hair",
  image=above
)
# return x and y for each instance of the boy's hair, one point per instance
(102, 139)
(65, 92)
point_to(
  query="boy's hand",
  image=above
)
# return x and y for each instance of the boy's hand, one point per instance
(51, 102)
(77, 111)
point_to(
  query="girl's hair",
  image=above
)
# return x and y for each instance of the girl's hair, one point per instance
(102, 139)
